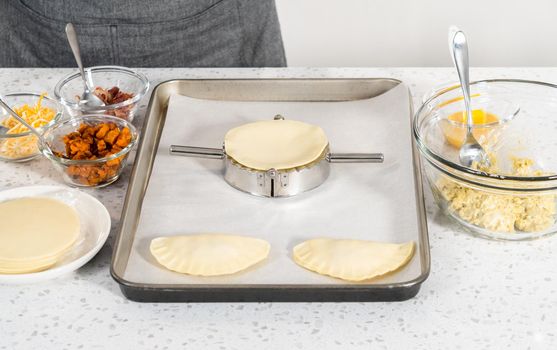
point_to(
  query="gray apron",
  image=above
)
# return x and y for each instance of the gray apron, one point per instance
(142, 33)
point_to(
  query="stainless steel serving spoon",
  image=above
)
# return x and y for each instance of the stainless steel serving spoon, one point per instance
(471, 151)
(4, 130)
(88, 98)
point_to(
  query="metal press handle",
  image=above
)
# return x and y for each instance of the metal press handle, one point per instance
(355, 158)
(198, 152)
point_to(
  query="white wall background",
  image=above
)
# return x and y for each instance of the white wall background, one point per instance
(414, 32)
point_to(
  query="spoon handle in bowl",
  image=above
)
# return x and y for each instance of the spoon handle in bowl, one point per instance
(74, 45)
(460, 57)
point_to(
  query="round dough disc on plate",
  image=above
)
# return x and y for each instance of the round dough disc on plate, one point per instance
(34, 232)
(275, 144)
(49, 260)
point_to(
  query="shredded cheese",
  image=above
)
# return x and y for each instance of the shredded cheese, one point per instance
(24, 146)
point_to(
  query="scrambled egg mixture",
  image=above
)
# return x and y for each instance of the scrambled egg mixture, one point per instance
(499, 212)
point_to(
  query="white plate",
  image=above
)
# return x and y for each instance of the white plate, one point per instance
(95, 227)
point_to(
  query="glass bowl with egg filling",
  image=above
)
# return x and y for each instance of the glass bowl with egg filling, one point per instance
(91, 150)
(17, 143)
(120, 88)
(514, 197)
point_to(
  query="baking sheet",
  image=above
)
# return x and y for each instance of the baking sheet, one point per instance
(365, 201)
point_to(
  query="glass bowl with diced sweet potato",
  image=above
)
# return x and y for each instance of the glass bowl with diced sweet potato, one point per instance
(90, 151)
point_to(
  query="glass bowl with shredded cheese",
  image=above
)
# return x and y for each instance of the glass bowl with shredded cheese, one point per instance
(18, 144)
(515, 196)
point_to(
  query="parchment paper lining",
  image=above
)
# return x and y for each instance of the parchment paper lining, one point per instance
(361, 201)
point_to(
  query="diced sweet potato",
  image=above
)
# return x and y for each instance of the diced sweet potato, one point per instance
(124, 138)
(101, 145)
(102, 130)
(111, 136)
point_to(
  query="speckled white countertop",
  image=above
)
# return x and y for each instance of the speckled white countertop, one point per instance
(480, 294)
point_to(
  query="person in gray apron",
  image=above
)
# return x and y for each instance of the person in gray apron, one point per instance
(141, 33)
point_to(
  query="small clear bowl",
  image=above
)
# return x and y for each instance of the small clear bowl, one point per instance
(23, 147)
(69, 89)
(517, 199)
(87, 173)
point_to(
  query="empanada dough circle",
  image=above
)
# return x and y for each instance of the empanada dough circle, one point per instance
(35, 266)
(275, 144)
(34, 233)
(351, 259)
(209, 254)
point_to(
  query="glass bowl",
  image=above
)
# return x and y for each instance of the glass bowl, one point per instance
(69, 89)
(515, 199)
(98, 172)
(21, 147)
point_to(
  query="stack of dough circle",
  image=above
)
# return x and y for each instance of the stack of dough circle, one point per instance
(35, 233)
(275, 144)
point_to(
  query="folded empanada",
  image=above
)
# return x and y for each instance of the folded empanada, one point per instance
(209, 254)
(351, 259)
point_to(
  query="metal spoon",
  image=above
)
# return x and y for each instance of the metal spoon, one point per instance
(471, 151)
(88, 98)
(3, 130)
(22, 121)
